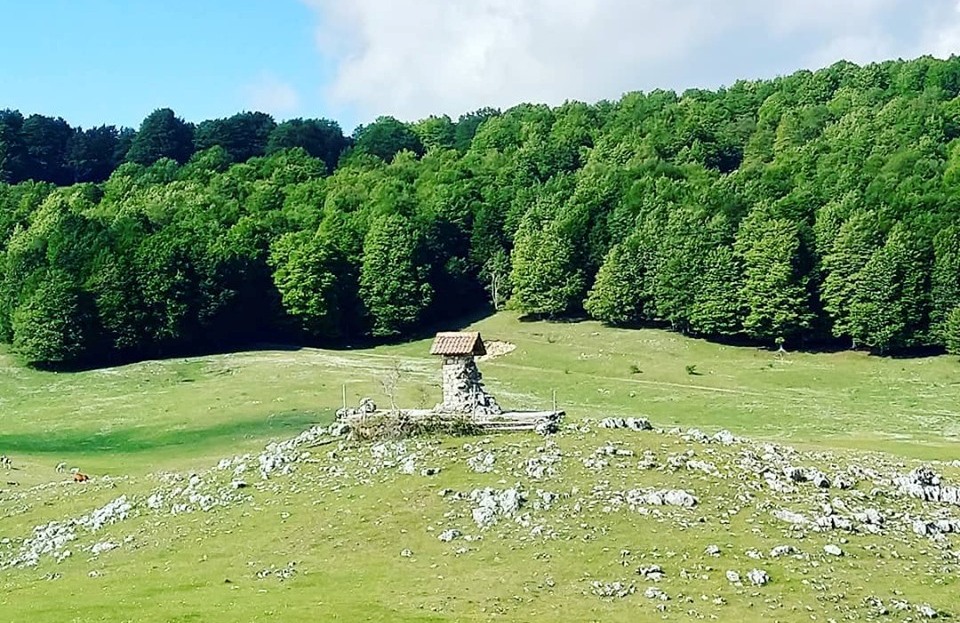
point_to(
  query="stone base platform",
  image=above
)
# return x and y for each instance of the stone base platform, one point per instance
(508, 421)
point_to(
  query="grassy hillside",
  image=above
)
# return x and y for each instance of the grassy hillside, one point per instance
(345, 517)
(185, 407)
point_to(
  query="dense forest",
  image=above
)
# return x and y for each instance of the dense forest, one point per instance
(817, 208)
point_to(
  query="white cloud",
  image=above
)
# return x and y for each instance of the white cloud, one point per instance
(942, 36)
(271, 95)
(412, 58)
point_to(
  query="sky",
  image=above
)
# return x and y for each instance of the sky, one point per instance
(98, 62)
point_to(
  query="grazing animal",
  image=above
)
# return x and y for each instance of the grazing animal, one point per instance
(80, 477)
(6, 461)
(61, 467)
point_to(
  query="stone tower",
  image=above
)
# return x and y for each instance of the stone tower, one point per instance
(463, 390)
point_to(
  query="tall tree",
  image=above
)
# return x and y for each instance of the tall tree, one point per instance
(857, 240)
(243, 135)
(92, 154)
(53, 325)
(317, 284)
(321, 138)
(717, 309)
(162, 135)
(619, 295)
(546, 277)
(13, 151)
(468, 124)
(945, 279)
(46, 140)
(891, 309)
(385, 138)
(393, 281)
(436, 132)
(775, 286)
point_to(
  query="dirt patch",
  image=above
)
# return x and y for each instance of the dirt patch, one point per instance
(497, 349)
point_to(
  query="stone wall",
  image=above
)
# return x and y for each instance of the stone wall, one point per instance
(463, 390)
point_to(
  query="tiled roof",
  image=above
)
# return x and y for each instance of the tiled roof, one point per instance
(454, 343)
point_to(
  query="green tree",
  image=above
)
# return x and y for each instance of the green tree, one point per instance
(436, 132)
(115, 289)
(619, 296)
(243, 135)
(317, 284)
(945, 278)
(774, 290)
(162, 135)
(385, 138)
(717, 309)
(92, 154)
(46, 140)
(890, 310)
(468, 124)
(393, 280)
(52, 326)
(951, 332)
(857, 240)
(14, 162)
(321, 138)
(546, 278)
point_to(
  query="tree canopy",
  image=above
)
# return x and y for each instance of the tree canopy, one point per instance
(819, 207)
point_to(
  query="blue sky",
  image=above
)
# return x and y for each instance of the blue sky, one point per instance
(115, 61)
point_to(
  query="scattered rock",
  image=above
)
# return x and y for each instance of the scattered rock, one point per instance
(449, 535)
(635, 424)
(833, 550)
(482, 463)
(927, 611)
(653, 573)
(791, 517)
(668, 497)
(656, 593)
(758, 577)
(783, 550)
(492, 504)
(618, 590)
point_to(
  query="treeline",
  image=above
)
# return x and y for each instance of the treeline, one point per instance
(818, 207)
(48, 149)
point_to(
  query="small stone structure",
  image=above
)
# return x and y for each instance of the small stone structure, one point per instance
(463, 390)
(463, 394)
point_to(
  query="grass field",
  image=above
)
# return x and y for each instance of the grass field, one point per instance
(135, 422)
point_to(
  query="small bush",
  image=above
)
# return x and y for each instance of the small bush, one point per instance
(635, 369)
(393, 426)
(692, 369)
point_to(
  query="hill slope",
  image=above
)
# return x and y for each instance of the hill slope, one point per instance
(155, 433)
(578, 526)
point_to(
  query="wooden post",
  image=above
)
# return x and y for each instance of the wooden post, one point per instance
(343, 390)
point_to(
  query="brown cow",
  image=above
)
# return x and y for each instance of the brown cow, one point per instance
(79, 477)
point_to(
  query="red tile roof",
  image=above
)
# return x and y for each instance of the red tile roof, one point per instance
(458, 344)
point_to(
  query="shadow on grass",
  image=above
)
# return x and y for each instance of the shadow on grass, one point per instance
(133, 440)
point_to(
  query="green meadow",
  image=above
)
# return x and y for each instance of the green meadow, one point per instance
(128, 426)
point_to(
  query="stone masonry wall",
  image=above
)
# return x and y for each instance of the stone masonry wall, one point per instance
(463, 390)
